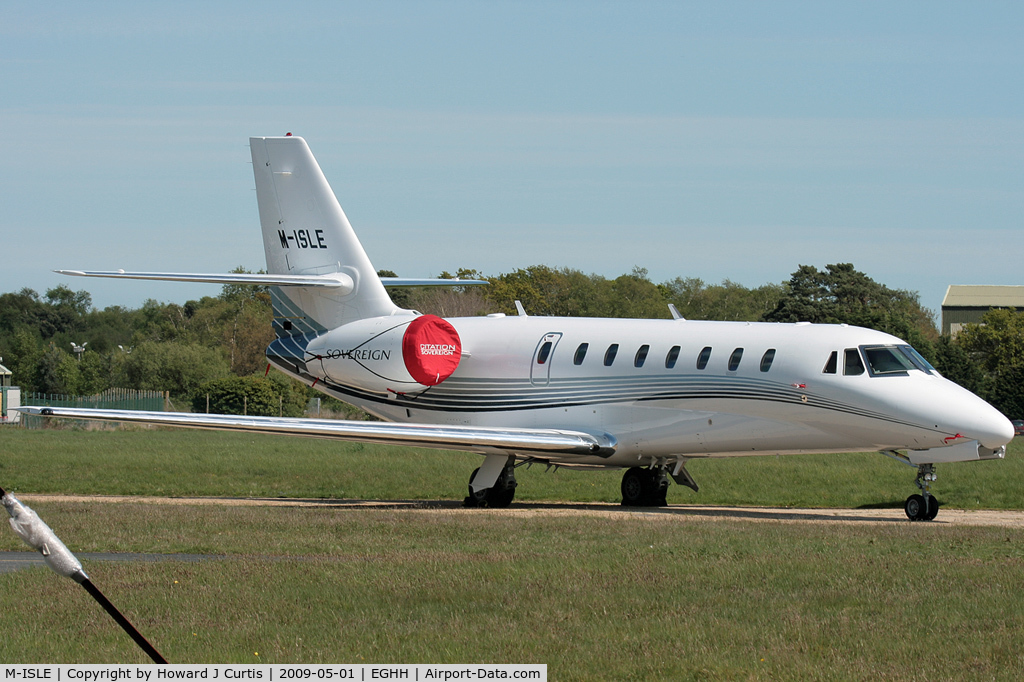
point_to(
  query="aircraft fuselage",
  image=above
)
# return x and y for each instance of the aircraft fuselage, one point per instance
(660, 388)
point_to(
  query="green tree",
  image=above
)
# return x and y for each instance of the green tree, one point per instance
(22, 310)
(251, 395)
(841, 294)
(634, 296)
(246, 336)
(62, 311)
(58, 372)
(726, 301)
(294, 394)
(22, 353)
(94, 373)
(535, 287)
(171, 366)
(956, 364)
(998, 345)
(400, 296)
(106, 329)
(562, 292)
(236, 293)
(63, 298)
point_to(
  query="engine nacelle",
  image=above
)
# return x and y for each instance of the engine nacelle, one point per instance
(388, 353)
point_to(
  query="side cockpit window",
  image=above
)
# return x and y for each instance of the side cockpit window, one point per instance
(830, 366)
(852, 364)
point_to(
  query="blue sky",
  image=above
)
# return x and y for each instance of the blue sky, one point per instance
(726, 140)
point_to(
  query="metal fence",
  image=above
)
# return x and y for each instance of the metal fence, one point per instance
(110, 399)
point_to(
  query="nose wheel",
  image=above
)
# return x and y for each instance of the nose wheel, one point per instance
(923, 507)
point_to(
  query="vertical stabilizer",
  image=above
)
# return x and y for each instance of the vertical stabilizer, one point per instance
(305, 232)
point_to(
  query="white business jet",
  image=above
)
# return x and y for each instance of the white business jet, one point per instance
(641, 395)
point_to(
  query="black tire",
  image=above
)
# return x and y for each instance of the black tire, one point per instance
(633, 487)
(498, 497)
(637, 488)
(916, 508)
(478, 498)
(933, 508)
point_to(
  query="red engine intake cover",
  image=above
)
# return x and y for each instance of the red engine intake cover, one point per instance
(431, 349)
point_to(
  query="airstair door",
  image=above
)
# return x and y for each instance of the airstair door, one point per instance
(540, 367)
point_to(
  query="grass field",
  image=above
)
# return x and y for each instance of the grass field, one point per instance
(629, 596)
(188, 463)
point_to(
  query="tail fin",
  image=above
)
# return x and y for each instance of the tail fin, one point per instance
(305, 232)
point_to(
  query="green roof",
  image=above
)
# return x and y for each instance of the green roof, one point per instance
(983, 296)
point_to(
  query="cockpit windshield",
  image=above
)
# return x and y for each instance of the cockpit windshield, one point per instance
(894, 360)
(918, 360)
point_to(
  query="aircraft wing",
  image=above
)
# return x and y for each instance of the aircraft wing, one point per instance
(483, 440)
(407, 282)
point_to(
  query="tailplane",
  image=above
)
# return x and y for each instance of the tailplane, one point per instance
(319, 276)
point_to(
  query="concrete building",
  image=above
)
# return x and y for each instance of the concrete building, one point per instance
(966, 303)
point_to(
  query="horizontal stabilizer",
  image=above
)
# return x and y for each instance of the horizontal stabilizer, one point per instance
(337, 280)
(469, 438)
(406, 282)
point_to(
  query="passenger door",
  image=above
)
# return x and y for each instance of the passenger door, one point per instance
(540, 366)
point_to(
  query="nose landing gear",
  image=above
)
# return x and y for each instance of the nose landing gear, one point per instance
(923, 507)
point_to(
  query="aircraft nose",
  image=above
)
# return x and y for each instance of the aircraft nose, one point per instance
(958, 411)
(997, 432)
(988, 425)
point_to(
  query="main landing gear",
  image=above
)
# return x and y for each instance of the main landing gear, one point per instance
(498, 496)
(923, 507)
(648, 486)
(644, 487)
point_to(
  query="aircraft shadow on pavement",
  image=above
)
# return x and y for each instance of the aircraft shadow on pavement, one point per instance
(752, 514)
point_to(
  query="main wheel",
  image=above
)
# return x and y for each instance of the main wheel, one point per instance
(634, 487)
(644, 488)
(478, 498)
(499, 497)
(916, 508)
